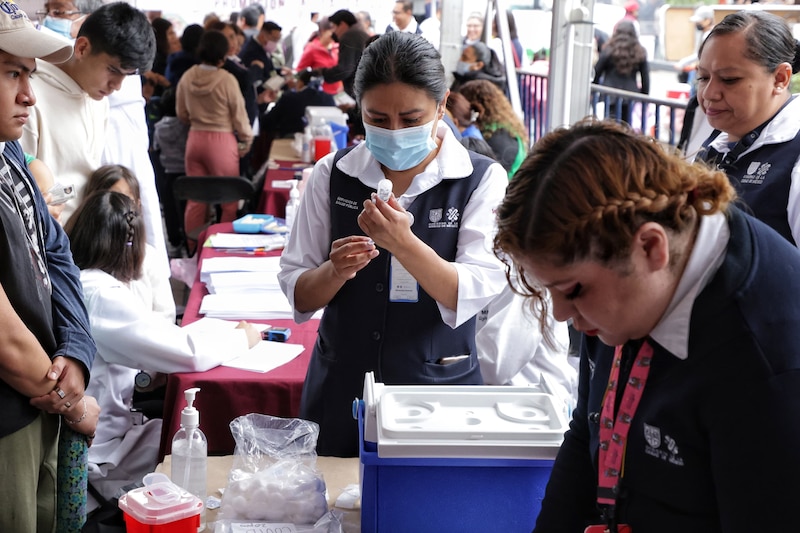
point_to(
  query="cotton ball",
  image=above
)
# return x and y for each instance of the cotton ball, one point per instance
(271, 513)
(253, 512)
(260, 497)
(277, 500)
(239, 505)
(242, 486)
(232, 490)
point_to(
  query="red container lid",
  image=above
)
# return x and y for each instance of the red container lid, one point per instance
(159, 502)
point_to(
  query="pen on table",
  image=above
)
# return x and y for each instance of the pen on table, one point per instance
(259, 252)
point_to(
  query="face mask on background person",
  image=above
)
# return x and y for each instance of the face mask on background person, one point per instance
(462, 67)
(270, 47)
(400, 149)
(58, 25)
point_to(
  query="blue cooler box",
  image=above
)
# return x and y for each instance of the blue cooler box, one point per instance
(463, 492)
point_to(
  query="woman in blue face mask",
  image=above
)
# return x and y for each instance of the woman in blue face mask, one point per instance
(402, 280)
(478, 62)
(65, 18)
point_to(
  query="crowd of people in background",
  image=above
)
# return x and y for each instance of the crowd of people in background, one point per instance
(505, 245)
(125, 104)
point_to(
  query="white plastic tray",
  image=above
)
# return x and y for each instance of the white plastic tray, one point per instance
(468, 422)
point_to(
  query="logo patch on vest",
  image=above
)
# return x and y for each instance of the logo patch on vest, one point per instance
(349, 204)
(438, 218)
(661, 446)
(756, 173)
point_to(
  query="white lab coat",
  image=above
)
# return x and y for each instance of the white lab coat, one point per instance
(512, 351)
(130, 335)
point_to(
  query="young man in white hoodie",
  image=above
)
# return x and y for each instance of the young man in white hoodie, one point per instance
(86, 114)
(68, 126)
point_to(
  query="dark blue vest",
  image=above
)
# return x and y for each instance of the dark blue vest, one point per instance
(363, 331)
(762, 179)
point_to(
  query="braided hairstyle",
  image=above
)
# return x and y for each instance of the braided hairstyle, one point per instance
(106, 232)
(583, 192)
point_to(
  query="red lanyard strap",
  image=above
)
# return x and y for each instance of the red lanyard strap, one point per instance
(614, 433)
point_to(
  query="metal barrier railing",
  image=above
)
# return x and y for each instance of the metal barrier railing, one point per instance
(660, 118)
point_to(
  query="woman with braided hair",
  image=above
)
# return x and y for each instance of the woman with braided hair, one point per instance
(689, 362)
(151, 287)
(107, 238)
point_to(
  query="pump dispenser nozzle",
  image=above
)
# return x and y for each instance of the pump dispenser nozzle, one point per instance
(190, 416)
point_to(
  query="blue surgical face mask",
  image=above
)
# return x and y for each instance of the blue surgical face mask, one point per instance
(58, 25)
(400, 149)
(462, 67)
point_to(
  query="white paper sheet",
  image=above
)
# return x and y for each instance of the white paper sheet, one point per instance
(266, 356)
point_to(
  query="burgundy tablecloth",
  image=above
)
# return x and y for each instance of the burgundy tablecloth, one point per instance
(226, 393)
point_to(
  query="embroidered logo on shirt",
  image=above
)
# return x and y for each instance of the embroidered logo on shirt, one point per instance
(756, 173)
(656, 445)
(349, 204)
(437, 218)
(11, 8)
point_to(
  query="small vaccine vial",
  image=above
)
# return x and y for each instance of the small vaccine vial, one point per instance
(384, 189)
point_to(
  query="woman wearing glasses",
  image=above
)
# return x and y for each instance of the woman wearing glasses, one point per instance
(64, 18)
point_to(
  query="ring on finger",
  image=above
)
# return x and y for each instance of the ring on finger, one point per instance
(61, 393)
(68, 405)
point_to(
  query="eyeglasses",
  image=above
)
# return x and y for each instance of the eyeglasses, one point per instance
(397, 12)
(59, 13)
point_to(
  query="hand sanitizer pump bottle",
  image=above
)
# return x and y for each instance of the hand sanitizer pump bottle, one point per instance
(190, 453)
(292, 205)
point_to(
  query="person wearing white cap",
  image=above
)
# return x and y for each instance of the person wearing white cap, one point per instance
(703, 19)
(46, 349)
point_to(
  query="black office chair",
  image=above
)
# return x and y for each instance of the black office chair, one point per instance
(214, 190)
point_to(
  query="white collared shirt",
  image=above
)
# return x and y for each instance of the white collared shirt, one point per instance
(782, 128)
(708, 253)
(480, 274)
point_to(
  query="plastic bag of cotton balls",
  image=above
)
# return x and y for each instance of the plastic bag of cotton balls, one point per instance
(287, 491)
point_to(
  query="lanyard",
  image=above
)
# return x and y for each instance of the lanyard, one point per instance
(729, 159)
(614, 434)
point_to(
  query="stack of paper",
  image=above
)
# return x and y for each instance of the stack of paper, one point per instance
(246, 306)
(246, 241)
(263, 265)
(243, 288)
(233, 282)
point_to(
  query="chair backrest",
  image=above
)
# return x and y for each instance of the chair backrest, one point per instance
(213, 189)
